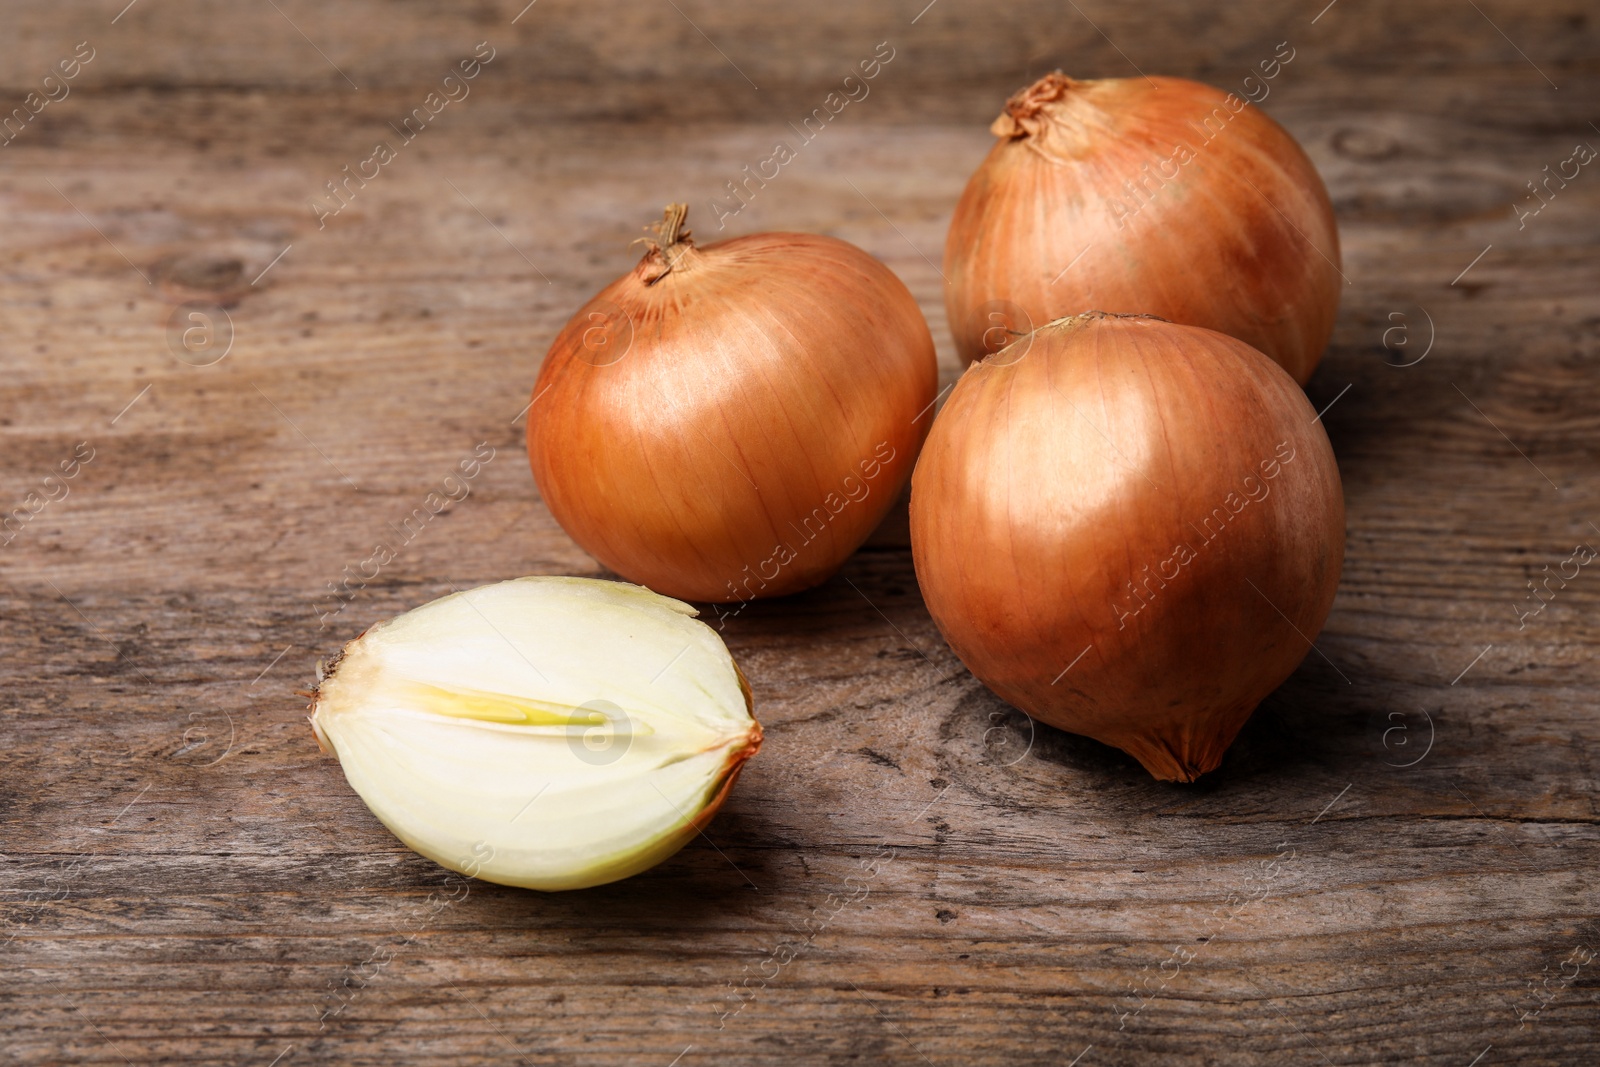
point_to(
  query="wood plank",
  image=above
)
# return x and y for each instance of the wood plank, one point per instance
(183, 876)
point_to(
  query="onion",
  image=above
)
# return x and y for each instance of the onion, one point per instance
(554, 733)
(1129, 529)
(731, 422)
(1154, 196)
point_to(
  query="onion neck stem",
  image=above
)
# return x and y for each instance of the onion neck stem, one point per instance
(1029, 109)
(669, 245)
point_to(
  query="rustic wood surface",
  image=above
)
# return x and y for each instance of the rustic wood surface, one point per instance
(1396, 863)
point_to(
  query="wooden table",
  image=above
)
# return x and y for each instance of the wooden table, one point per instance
(184, 878)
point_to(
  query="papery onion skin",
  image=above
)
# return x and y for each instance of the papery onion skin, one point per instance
(763, 420)
(1076, 462)
(1087, 201)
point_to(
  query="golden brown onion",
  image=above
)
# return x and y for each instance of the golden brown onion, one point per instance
(730, 422)
(1129, 529)
(1155, 196)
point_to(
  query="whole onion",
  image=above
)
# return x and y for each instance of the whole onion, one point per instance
(1129, 529)
(731, 422)
(1155, 196)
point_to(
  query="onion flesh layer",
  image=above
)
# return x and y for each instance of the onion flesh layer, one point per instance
(553, 733)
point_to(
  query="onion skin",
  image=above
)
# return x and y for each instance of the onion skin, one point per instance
(1076, 462)
(1195, 243)
(764, 419)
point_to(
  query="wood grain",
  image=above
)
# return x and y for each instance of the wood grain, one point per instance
(184, 878)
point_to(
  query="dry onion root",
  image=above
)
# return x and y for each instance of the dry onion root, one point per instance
(1155, 196)
(731, 422)
(1129, 529)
